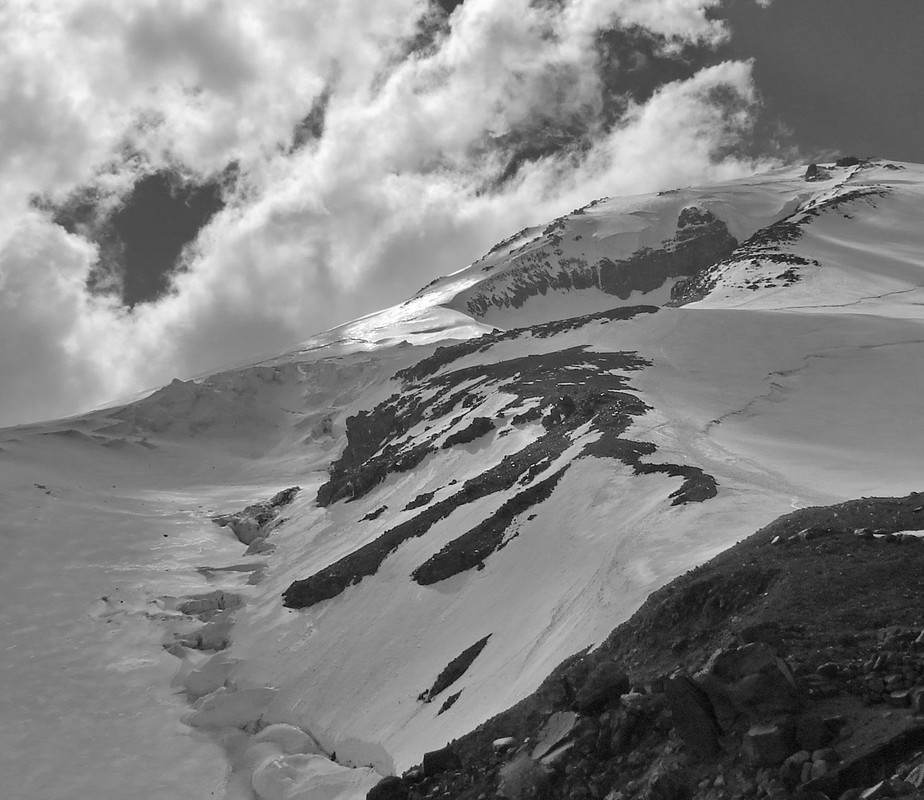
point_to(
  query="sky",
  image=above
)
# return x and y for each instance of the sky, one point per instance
(189, 185)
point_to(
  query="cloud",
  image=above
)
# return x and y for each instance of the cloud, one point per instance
(422, 163)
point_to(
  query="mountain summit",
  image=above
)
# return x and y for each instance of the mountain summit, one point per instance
(362, 549)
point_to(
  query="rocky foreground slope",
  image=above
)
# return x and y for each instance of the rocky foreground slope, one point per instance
(792, 665)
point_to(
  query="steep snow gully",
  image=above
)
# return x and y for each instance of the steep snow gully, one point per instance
(290, 579)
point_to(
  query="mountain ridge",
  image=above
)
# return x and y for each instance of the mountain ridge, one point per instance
(527, 484)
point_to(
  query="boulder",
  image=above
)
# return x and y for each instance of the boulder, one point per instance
(733, 663)
(443, 760)
(826, 754)
(792, 768)
(899, 699)
(390, 788)
(768, 745)
(557, 729)
(622, 725)
(819, 770)
(557, 758)
(605, 685)
(724, 708)
(758, 683)
(692, 714)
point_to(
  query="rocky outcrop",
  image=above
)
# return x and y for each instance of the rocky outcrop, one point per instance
(376, 445)
(443, 760)
(473, 547)
(701, 239)
(768, 250)
(478, 427)
(454, 670)
(815, 173)
(395, 436)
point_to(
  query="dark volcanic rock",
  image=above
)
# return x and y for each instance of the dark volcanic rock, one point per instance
(478, 428)
(389, 788)
(835, 599)
(443, 760)
(693, 716)
(378, 444)
(455, 669)
(755, 679)
(816, 173)
(605, 684)
(870, 766)
(769, 245)
(598, 397)
(471, 548)
(701, 240)
(449, 702)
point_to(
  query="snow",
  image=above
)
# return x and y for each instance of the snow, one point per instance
(869, 252)
(789, 396)
(86, 694)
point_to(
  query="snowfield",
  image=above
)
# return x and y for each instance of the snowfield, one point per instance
(135, 663)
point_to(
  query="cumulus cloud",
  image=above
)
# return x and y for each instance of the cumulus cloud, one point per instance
(426, 156)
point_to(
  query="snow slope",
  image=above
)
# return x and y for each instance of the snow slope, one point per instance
(617, 451)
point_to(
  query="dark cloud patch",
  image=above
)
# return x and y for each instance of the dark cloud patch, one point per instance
(432, 26)
(448, 6)
(141, 237)
(632, 64)
(541, 139)
(310, 128)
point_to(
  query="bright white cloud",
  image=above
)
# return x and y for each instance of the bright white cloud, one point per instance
(388, 198)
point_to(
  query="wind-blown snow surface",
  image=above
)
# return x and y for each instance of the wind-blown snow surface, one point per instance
(793, 377)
